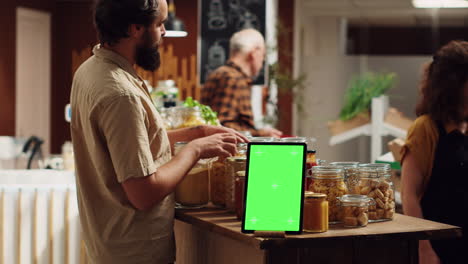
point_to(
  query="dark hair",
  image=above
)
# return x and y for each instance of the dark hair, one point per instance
(443, 84)
(113, 17)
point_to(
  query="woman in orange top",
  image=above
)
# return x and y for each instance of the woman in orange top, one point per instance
(435, 156)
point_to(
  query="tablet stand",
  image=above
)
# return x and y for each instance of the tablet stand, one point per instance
(275, 234)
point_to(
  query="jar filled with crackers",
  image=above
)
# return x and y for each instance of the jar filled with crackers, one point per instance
(354, 209)
(329, 180)
(375, 182)
(351, 175)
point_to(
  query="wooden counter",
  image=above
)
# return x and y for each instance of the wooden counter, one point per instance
(212, 236)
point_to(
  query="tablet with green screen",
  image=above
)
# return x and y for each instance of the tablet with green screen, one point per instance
(274, 187)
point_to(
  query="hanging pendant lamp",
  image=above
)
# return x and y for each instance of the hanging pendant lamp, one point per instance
(174, 26)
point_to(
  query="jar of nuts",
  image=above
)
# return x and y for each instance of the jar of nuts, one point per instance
(354, 209)
(329, 180)
(375, 182)
(351, 175)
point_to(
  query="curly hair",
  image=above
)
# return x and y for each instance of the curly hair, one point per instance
(113, 17)
(443, 84)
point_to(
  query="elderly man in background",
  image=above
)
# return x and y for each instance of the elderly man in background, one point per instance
(228, 88)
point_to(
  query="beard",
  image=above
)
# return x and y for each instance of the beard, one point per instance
(147, 55)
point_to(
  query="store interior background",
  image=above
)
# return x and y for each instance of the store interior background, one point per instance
(330, 41)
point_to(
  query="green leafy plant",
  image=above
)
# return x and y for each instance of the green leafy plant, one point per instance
(210, 116)
(362, 89)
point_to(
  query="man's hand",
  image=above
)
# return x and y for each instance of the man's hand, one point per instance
(217, 145)
(269, 132)
(211, 130)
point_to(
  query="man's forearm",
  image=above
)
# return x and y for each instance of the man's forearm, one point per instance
(145, 192)
(185, 134)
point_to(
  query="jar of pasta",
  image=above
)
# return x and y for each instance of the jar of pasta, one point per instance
(193, 190)
(375, 182)
(354, 209)
(351, 175)
(315, 212)
(329, 180)
(233, 166)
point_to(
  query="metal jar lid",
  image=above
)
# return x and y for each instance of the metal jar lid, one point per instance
(314, 195)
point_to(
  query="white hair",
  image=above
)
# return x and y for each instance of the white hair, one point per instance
(245, 41)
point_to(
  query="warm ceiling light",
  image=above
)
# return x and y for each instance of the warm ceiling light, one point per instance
(174, 26)
(440, 3)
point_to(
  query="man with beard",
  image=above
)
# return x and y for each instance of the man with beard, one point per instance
(124, 171)
(227, 89)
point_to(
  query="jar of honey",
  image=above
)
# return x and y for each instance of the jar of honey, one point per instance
(315, 212)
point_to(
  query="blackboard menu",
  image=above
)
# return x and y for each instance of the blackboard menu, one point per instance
(220, 19)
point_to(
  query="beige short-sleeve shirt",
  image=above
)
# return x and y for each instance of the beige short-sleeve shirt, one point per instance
(117, 134)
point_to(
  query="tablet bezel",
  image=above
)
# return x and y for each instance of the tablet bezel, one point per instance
(304, 145)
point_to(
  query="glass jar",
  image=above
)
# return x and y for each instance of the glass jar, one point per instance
(315, 214)
(241, 149)
(233, 165)
(375, 182)
(311, 161)
(262, 139)
(351, 175)
(329, 180)
(193, 190)
(186, 117)
(239, 194)
(68, 156)
(354, 209)
(294, 139)
(217, 174)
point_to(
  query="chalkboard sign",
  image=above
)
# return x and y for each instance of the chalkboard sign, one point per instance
(220, 19)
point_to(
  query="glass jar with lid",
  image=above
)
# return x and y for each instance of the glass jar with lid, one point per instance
(354, 209)
(186, 117)
(311, 161)
(375, 182)
(217, 175)
(239, 194)
(329, 180)
(315, 212)
(233, 166)
(351, 175)
(193, 190)
(262, 139)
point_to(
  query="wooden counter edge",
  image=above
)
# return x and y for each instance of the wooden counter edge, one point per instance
(307, 239)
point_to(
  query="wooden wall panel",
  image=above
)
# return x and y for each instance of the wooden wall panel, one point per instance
(73, 35)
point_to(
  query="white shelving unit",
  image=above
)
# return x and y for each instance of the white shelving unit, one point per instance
(375, 129)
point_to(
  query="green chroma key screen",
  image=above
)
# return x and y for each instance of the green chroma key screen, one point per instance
(274, 187)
